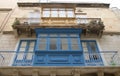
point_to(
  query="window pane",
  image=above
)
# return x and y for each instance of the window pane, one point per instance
(84, 45)
(23, 44)
(31, 49)
(42, 40)
(42, 46)
(64, 43)
(46, 13)
(29, 56)
(74, 40)
(93, 46)
(20, 56)
(21, 49)
(53, 44)
(62, 14)
(70, 14)
(75, 47)
(32, 44)
(54, 13)
(74, 44)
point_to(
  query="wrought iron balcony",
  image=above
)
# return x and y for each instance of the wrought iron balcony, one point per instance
(111, 58)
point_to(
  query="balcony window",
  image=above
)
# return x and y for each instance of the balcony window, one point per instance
(59, 42)
(58, 12)
(24, 53)
(91, 52)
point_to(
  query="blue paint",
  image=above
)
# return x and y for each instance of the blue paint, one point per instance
(58, 56)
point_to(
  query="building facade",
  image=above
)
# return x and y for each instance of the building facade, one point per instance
(58, 38)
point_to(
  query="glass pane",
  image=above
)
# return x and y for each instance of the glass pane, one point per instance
(31, 49)
(32, 44)
(42, 46)
(74, 44)
(64, 40)
(20, 56)
(84, 45)
(54, 13)
(75, 47)
(74, 40)
(62, 14)
(46, 13)
(23, 44)
(70, 14)
(22, 49)
(64, 43)
(53, 44)
(42, 40)
(29, 56)
(93, 46)
(64, 46)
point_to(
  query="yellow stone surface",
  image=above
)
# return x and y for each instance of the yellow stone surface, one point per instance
(110, 20)
(2, 17)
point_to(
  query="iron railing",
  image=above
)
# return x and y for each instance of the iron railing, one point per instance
(104, 58)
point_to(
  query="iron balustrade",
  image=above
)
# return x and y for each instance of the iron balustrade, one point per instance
(112, 58)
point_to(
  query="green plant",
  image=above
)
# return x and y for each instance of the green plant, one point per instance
(16, 22)
(112, 63)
